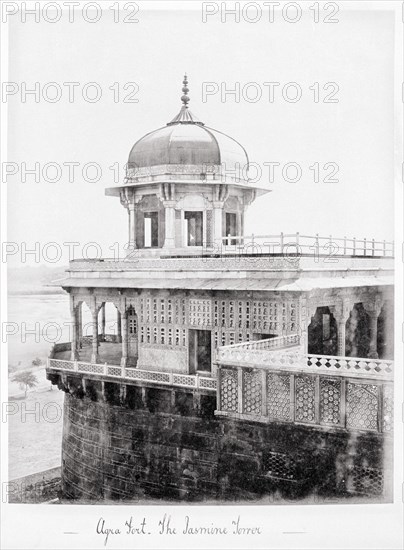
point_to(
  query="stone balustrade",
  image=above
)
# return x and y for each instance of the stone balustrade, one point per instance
(274, 395)
(132, 374)
(372, 368)
(280, 357)
(279, 342)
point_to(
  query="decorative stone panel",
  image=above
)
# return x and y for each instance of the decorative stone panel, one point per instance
(362, 406)
(252, 392)
(278, 396)
(229, 390)
(305, 399)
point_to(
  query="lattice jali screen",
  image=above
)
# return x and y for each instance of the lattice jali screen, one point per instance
(330, 401)
(228, 390)
(252, 392)
(200, 312)
(366, 481)
(279, 465)
(184, 380)
(87, 367)
(152, 376)
(305, 399)
(278, 396)
(114, 371)
(208, 383)
(58, 364)
(361, 406)
(388, 408)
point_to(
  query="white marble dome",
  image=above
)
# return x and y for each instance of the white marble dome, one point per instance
(187, 143)
(187, 147)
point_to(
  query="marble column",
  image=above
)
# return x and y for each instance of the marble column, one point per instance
(373, 309)
(218, 223)
(103, 322)
(132, 224)
(311, 310)
(169, 207)
(127, 197)
(373, 316)
(94, 315)
(119, 323)
(73, 313)
(388, 333)
(341, 338)
(124, 320)
(341, 314)
(79, 323)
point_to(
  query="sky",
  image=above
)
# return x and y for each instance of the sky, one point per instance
(356, 133)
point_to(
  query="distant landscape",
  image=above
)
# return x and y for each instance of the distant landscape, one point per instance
(36, 305)
(35, 279)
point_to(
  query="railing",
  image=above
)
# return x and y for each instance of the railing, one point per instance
(373, 368)
(110, 338)
(297, 244)
(133, 374)
(273, 358)
(279, 342)
(312, 399)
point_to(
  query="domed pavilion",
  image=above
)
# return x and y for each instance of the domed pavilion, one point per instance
(186, 187)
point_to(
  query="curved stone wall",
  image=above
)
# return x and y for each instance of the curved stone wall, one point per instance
(158, 445)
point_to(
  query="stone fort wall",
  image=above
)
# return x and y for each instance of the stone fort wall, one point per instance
(151, 443)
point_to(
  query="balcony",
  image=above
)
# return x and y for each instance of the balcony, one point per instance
(257, 351)
(59, 363)
(285, 352)
(266, 382)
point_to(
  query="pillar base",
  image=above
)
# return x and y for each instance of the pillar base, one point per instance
(169, 243)
(124, 362)
(95, 358)
(74, 355)
(373, 355)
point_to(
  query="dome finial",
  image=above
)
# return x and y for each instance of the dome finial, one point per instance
(185, 89)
